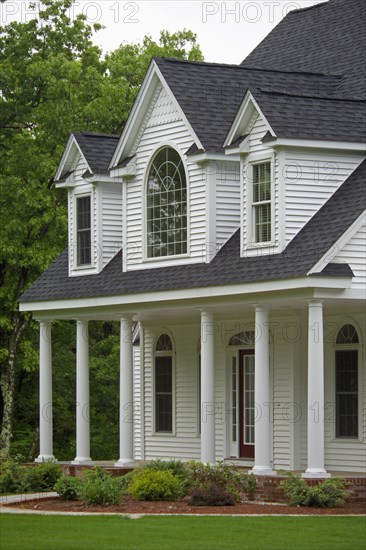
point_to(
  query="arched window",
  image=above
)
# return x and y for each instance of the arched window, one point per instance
(347, 335)
(163, 377)
(346, 382)
(166, 201)
(245, 338)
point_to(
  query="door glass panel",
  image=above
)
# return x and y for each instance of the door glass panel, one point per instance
(248, 391)
(234, 398)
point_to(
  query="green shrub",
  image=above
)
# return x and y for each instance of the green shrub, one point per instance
(68, 487)
(176, 467)
(43, 477)
(101, 490)
(13, 477)
(229, 478)
(249, 484)
(326, 494)
(213, 495)
(95, 473)
(149, 484)
(125, 480)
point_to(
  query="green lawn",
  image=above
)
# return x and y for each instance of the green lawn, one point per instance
(22, 532)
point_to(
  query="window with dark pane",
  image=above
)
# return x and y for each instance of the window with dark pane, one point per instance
(245, 338)
(83, 230)
(163, 394)
(164, 343)
(262, 202)
(166, 205)
(346, 393)
(347, 335)
(164, 384)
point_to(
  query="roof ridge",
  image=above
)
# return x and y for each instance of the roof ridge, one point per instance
(241, 67)
(95, 134)
(297, 10)
(311, 96)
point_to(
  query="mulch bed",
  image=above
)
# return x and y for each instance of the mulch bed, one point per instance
(131, 506)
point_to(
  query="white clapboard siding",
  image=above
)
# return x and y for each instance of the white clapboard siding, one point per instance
(221, 405)
(310, 180)
(354, 254)
(137, 428)
(256, 134)
(163, 124)
(282, 397)
(185, 443)
(227, 201)
(111, 221)
(304, 395)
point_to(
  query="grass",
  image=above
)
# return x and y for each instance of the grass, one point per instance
(180, 533)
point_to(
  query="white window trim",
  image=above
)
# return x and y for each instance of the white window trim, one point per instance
(174, 391)
(250, 222)
(175, 257)
(348, 347)
(87, 268)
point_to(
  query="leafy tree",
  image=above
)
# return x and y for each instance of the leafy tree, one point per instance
(53, 80)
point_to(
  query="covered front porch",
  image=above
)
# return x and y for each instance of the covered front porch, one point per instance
(280, 422)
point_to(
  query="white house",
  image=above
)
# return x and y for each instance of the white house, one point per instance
(227, 222)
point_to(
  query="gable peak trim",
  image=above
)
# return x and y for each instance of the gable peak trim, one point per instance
(143, 102)
(245, 118)
(71, 142)
(336, 248)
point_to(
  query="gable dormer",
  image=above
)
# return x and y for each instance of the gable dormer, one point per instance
(176, 210)
(94, 202)
(285, 179)
(259, 182)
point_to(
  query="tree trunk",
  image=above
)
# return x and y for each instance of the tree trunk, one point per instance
(7, 384)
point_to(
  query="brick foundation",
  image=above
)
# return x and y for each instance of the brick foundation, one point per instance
(269, 490)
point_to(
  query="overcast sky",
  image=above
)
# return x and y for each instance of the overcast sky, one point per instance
(226, 31)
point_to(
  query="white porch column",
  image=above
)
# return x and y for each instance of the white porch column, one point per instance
(126, 394)
(262, 427)
(82, 394)
(207, 388)
(45, 393)
(315, 392)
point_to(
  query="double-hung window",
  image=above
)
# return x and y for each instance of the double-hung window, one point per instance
(83, 230)
(262, 207)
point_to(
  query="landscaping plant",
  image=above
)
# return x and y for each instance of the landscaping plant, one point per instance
(228, 478)
(150, 484)
(326, 494)
(19, 478)
(68, 487)
(213, 495)
(101, 490)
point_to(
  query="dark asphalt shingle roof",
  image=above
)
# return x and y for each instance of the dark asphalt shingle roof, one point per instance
(303, 252)
(313, 54)
(328, 37)
(305, 117)
(97, 148)
(210, 94)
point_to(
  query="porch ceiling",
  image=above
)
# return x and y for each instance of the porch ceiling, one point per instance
(227, 306)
